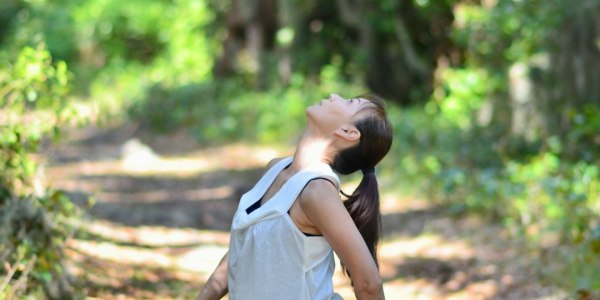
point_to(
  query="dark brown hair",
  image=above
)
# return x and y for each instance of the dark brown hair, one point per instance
(375, 142)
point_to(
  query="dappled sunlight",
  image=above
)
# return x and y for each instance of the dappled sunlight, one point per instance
(139, 182)
(232, 157)
(161, 225)
(145, 262)
(122, 254)
(164, 195)
(236, 157)
(200, 260)
(129, 131)
(152, 236)
(393, 203)
(426, 246)
(108, 279)
(424, 267)
(159, 166)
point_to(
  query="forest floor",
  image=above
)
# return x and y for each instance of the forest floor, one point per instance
(162, 206)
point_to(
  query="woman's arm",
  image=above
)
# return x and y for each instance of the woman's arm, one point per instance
(216, 286)
(321, 203)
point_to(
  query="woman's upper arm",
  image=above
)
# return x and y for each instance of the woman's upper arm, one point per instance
(321, 203)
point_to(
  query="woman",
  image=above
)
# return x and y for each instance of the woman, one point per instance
(287, 226)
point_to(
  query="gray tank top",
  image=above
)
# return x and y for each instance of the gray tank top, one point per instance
(269, 257)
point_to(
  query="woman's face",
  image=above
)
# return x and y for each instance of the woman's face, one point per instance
(335, 112)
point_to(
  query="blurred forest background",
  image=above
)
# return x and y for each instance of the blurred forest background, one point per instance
(495, 106)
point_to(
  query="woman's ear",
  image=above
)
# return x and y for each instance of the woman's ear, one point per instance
(348, 132)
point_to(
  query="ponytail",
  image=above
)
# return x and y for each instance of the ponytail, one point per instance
(363, 207)
(375, 142)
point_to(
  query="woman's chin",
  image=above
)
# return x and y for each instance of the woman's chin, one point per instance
(311, 111)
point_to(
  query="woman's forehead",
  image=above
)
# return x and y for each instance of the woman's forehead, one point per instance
(366, 107)
(365, 103)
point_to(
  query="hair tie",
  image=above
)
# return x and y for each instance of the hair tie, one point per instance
(366, 171)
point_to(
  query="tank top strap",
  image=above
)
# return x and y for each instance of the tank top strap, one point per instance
(267, 179)
(299, 181)
(277, 168)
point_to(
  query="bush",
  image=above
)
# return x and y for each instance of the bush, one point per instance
(539, 189)
(216, 112)
(34, 220)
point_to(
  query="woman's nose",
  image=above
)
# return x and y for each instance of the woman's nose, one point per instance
(334, 97)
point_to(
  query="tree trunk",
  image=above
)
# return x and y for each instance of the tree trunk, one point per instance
(251, 25)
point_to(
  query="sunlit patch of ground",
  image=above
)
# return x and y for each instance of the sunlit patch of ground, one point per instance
(163, 206)
(118, 279)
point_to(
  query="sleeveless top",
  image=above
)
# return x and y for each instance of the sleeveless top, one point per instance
(269, 257)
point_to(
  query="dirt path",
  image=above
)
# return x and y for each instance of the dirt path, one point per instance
(163, 207)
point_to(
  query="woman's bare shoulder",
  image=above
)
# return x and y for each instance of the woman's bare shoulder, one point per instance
(319, 190)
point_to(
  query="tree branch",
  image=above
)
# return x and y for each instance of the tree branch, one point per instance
(414, 62)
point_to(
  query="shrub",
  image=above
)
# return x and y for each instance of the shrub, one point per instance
(34, 220)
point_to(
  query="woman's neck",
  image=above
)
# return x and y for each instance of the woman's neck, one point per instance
(312, 149)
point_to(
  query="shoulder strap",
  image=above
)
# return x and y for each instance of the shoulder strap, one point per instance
(302, 178)
(272, 172)
(243, 219)
(281, 164)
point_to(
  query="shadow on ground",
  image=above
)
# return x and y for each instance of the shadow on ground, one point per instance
(205, 201)
(118, 280)
(159, 225)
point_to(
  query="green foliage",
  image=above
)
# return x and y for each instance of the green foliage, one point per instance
(546, 199)
(34, 81)
(152, 60)
(34, 220)
(546, 189)
(538, 191)
(33, 233)
(462, 92)
(117, 49)
(225, 111)
(507, 31)
(582, 141)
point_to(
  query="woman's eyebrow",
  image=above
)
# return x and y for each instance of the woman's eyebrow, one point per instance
(362, 101)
